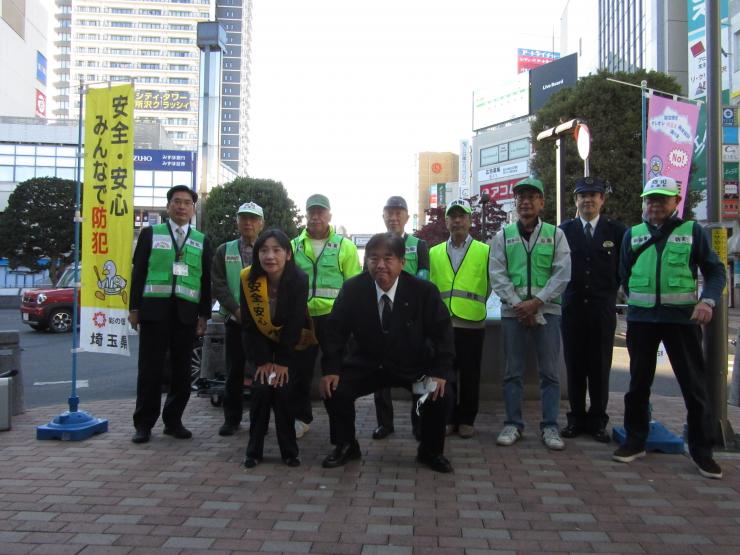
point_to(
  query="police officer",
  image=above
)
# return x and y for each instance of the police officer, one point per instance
(170, 303)
(589, 313)
(395, 217)
(459, 268)
(658, 268)
(329, 260)
(228, 262)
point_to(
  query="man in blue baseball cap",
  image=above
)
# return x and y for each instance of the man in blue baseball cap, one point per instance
(589, 309)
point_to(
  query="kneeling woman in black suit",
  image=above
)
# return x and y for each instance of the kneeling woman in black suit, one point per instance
(274, 325)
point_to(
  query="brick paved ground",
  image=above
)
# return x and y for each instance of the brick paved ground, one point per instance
(107, 495)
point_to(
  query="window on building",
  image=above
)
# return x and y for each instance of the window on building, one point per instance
(149, 66)
(121, 10)
(149, 25)
(178, 80)
(149, 39)
(121, 24)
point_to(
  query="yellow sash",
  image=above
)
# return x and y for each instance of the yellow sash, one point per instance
(258, 303)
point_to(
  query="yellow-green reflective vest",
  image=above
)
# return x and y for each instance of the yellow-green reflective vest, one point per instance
(233, 265)
(465, 291)
(530, 271)
(160, 281)
(325, 278)
(412, 257)
(669, 279)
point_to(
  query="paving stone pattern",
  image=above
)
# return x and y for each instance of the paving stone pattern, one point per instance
(106, 495)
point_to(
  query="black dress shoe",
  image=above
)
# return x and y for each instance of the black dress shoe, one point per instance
(292, 461)
(228, 429)
(250, 462)
(382, 432)
(601, 435)
(571, 431)
(178, 432)
(342, 454)
(141, 436)
(438, 463)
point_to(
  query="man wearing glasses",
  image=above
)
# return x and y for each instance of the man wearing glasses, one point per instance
(170, 303)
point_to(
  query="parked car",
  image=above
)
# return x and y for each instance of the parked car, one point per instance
(50, 307)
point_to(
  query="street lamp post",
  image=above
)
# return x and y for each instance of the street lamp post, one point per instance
(484, 198)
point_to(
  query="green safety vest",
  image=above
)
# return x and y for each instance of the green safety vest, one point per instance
(464, 292)
(160, 281)
(668, 279)
(233, 264)
(325, 278)
(412, 257)
(530, 271)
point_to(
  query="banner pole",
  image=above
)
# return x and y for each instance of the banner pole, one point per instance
(74, 401)
(74, 425)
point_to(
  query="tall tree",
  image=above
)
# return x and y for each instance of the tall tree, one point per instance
(436, 232)
(223, 202)
(613, 113)
(38, 224)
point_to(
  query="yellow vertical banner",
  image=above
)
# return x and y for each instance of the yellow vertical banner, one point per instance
(107, 219)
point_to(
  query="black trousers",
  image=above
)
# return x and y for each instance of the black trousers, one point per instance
(341, 409)
(235, 361)
(588, 344)
(155, 340)
(466, 392)
(265, 397)
(304, 364)
(384, 409)
(683, 345)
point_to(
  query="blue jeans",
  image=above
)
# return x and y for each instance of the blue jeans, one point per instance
(547, 346)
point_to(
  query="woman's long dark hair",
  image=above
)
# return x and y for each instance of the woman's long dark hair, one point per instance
(282, 239)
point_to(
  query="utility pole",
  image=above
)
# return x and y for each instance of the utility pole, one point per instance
(715, 337)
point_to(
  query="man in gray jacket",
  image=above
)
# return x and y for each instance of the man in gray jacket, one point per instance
(228, 262)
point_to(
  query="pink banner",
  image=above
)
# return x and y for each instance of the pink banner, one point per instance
(670, 141)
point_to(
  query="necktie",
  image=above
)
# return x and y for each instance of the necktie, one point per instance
(385, 319)
(180, 237)
(587, 231)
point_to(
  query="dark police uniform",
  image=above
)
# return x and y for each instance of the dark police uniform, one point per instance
(589, 316)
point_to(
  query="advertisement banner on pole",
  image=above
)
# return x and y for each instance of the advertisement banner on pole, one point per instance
(107, 220)
(670, 140)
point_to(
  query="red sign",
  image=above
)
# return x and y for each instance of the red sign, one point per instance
(436, 167)
(40, 104)
(501, 191)
(528, 58)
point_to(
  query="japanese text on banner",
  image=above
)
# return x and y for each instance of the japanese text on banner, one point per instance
(107, 219)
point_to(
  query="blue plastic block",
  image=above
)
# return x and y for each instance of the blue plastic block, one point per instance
(72, 426)
(659, 439)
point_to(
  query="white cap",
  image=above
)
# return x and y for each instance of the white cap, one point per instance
(661, 185)
(251, 208)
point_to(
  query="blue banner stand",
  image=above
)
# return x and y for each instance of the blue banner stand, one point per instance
(659, 439)
(74, 425)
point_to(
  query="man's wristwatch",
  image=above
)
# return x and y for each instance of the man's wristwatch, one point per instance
(709, 302)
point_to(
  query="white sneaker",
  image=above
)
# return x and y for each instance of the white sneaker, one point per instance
(301, 428)
(509, 435)
(551, 439)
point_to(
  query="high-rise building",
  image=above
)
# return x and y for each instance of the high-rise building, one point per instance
(644, 34)
(23, 57)
(153, 43)
(434, 169)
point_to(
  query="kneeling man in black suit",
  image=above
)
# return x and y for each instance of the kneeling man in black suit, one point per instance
(401, 335)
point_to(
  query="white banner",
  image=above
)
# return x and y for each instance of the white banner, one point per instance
(502, 172)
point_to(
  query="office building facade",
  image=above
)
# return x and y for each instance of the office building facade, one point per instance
(153, 43)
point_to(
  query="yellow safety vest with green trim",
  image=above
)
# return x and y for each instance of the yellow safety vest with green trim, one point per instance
(325, 277)
(667, 281)
(160, 280)
(233, 265)
(464, 292)
(412, 257)
(530, 271)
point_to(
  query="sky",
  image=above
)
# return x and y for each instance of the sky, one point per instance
(345, 93)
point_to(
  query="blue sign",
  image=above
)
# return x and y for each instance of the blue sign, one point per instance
(164, 160)
(41, 67)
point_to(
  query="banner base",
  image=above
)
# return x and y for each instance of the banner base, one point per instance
(659, 439)
(72, 426)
